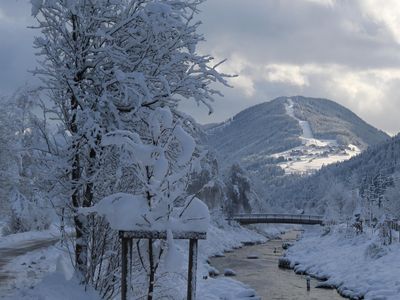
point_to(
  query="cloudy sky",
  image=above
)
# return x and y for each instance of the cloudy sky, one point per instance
(344, 50)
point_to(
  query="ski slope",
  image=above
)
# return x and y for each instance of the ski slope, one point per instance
(313, 153)
(305, 125)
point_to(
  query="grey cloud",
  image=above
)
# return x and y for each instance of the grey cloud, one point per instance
(16, 52)
(297, 32)
(341, 41)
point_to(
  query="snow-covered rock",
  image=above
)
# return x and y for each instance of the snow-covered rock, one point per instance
(229, 272)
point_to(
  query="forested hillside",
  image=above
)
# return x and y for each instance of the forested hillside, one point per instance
(342, 188)
(264, 128)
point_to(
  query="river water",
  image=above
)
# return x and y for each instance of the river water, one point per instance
(263, 274)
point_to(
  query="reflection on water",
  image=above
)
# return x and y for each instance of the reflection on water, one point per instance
(263, 274)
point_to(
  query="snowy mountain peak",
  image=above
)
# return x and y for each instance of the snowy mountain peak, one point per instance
(298, 134)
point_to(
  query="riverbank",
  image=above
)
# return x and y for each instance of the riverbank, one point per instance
(359, 266)
(257, 266)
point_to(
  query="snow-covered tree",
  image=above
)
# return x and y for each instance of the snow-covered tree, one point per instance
(239, 193)
(208, 185)
(20, 194)
(161, 156)
(392, 198)
(338, 203)
(106, 65)
(9, 162)
(372, 190)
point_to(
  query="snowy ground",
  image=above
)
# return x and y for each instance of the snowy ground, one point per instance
(25, 258)
(46, 270)
(358, 265)
(313, 153)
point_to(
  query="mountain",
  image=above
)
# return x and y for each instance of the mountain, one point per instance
(293, 135)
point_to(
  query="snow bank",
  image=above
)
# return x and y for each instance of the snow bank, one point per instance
(356, 265)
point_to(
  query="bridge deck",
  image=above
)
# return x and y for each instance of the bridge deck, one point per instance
(278, 218)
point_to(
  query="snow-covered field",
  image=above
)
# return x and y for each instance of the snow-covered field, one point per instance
(42, 272)
(358, 265)
(313, 153)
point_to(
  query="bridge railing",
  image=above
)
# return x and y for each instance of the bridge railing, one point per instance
(277, 216)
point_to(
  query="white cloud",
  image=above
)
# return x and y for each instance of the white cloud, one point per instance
(323, 2)
(245, 84)
(386, 12)
(362, 92)
(236, 65)
(250, 73)
(285, 73)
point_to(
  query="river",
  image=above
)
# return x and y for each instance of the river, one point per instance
(263, 274)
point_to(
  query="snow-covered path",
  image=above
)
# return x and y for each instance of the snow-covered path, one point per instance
(11, 251)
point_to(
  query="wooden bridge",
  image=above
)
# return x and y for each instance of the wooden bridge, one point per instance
(245, 219)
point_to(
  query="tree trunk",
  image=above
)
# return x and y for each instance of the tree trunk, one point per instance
(80, 248)
(87, 202)
(82, 239)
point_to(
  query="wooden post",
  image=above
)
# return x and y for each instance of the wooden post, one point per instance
(124, 268)
(126, 246)
(192, 270)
